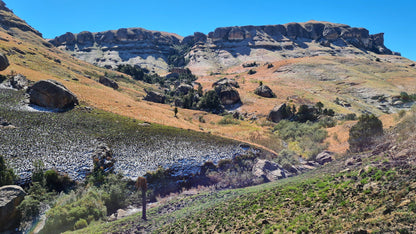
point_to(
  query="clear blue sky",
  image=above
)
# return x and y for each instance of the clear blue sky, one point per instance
(396, 18)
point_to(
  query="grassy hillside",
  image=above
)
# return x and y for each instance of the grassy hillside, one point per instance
(370, 192)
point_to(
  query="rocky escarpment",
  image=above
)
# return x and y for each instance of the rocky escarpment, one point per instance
(224, 47)
(8, 21)
(136, 46)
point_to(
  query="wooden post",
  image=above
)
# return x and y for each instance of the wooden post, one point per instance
(141, 183)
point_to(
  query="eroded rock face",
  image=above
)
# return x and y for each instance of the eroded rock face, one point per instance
(278, 113)
(264, 91)
(224, 47)
(135, 46)
(103, 158)
(226, 91)
(10, 197)
(4, 62)
(269, 171)
(51, 94)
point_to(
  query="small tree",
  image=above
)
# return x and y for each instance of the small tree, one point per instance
(261, 83)
(175, 110)
(141, 184)
(38, 172)
(364, 132)
(6, 174)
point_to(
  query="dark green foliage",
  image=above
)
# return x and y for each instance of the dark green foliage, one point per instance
(31, 205)
(405, 97)
(177, 54)
(135, 72)
(253, 64)
(7, 175)
(115, 192)
(81, 223)
(251, 72)
(84, 204)
(189, 100)
(56, 181)
(364, 132)
(175, 111)
(29, 208)
(210, 102)
(327, 122)
(351, 116)
(306, 114)
(38, 172)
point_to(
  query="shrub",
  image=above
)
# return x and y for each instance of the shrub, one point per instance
(115, 195)
(37, 173)
(29, 208)
(305, 113)
(364, 132)
(228, 119)
(85, 204)
(307, 137)
(210, 101)
(251, 72)
(56, 181)
(81, 223)
(7, 175)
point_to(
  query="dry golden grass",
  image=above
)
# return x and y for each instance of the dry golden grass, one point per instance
(38, 63)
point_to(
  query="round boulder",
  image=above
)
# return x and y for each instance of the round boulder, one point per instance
(4, 62)
(264, 91)
(51, 94)
(10, 197)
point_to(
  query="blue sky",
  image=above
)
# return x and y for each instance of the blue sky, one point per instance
(396, 19)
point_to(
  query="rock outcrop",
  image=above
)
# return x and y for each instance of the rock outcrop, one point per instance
(269, 171)
(18, 82)
(4, 62)
(51, 94)
(264, 91)
(225, 89)
(183, 89)
(324, 157)
(153, 96)
(135, 46)
(279, 113)
(108, 82)
(10, 197)
(224, 47)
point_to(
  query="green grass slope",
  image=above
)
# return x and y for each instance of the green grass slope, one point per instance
(373, 191)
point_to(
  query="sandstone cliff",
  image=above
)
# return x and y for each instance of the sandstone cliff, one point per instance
(134, 46)
(224, 47)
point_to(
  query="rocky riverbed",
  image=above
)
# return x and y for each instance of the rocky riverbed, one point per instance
(66, 141)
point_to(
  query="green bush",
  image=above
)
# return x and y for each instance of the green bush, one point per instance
(228, 119)
(308, 136)
(210, 101)
(363, 133)
(7, 175)
(29, 208)
(85, 204)
(57, 182)
(115, 192)
(81, 223)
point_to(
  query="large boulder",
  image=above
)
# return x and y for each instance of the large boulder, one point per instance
(153, 96)
(107, 82)
(279, 113)
(52, 94)
(269, 171)
(10, 197)
(324, 157)
(4, 62)
(225, 89)
(264, 91)
(183, 89)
